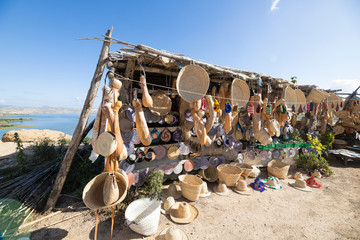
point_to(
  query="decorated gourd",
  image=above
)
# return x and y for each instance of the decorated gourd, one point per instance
(146, 98)
(141, 125)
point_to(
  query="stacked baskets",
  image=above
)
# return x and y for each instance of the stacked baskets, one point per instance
(229, 174)
(190, 187)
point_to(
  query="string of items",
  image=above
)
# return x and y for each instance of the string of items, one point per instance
(218, 97)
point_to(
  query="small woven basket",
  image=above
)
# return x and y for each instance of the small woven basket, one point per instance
(278, 169)
(190, 187)
(229, 174)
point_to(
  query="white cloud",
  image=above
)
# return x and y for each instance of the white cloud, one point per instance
(347, 85)
(274, 5)
(2, 101)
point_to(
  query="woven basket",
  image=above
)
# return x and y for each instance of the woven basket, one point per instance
(278, 169)
(143, 215)
(229, 174)
(190, 187)
(245, 168)
(316, 96)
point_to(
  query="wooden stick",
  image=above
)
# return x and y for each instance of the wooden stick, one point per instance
(75, 141)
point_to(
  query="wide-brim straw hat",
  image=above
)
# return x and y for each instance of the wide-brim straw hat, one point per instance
(173, 152)
(106, 143)
(243, 188)
(204, 190)
(300, 98)
(192, 83)
(172, 233)
(290, 97)
(172, 191)
(210, 174)
(338, 129)
(178, 168)
(300, 184)
(149, 154)
(188, 165)
(221, 189)
(197, 163)
(177, 135)
(93, 191)
(204, 163)
(250, 155)
(161, 104)
(264, 155)
(316, 96)
(183, 212)
(342, 114)
(167, 204)
(272, 183)
(127, 137)
(240, 92)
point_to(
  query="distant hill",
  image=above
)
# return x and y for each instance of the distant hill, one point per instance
(9, 109)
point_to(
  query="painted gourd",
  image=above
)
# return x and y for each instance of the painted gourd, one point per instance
(141, 125)
(146, 98)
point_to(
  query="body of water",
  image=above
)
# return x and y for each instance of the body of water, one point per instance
(63, 122)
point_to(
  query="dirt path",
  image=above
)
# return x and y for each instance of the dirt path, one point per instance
(332, 212)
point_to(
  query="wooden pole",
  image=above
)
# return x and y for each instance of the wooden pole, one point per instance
(78, 133)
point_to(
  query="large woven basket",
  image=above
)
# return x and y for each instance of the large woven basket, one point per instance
(229, 174)
(143, 215)
(190, 186)
(278, 169)
(316, 96)
(245, 168)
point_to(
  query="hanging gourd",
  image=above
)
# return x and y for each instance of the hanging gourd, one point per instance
(250, 109)
(227, 125)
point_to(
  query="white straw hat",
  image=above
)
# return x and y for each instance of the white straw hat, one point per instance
(172, 233)
(240, 92)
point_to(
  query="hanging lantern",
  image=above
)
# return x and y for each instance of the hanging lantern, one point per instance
(228, 107)
(250, 109)
(216, 105)
(268, 109)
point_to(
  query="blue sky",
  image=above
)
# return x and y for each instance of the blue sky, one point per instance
(42, 64)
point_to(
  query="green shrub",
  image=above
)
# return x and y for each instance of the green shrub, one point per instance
(311, 161)
(20, 157)
(327, 140)
(86, 141)
(295, 135)
(152, 186)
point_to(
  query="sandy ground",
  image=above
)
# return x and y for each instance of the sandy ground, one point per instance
(332, 212)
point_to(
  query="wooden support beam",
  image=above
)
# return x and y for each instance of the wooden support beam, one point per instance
(78, 133)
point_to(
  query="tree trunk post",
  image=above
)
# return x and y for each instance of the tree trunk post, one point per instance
(77, 136)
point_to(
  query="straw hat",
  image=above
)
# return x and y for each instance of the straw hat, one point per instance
(300, 184)
(316, 173)
(290, 97)
(300, 98)
(316, 96)
(333, 100)
(168, 169)
(165, 135)
(183, 212)
(210, 174)
(204, 163)
(243, 188)
(342, 114)
(172, 233)
(173, 152)
(275, 127)
(106, 143)
(127, 167)
(298, 175)
(258, 185)
(204, 190)
(240, 92)
(311, 182)
(251, 155)
(161, 104)
(272, 182)
(221, 189)
(131, 178)
(93, 193)
(177, 135)
(192, 83)
(168, 203)
(197, 163)
(169, 118)
(264, 155)
(276, 153)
